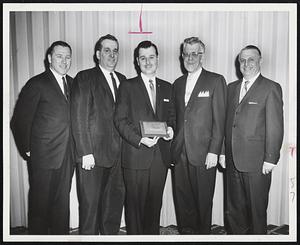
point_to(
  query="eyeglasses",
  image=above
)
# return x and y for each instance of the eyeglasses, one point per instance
(107, 51)
(194, 55)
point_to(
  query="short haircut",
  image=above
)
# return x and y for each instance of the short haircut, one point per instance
(98, 45)
(146, 44)
(192, 40)
(58, 43)
(251, 47)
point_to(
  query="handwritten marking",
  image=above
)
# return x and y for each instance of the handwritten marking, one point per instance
(140, 26)
(292, 182)
(292, 149)
(293, 196)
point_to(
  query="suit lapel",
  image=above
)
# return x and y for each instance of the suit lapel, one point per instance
(104, 83)
(145, 93)
(55, 85)
(254, 87)
(197, 88)
(181, 92)
(158, 105)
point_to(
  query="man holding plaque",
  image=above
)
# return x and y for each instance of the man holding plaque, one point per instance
(198, 119)
(142, 110)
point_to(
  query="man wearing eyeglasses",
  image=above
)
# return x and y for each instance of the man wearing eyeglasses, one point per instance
(145, 160)
(98, 143)
(198, 119)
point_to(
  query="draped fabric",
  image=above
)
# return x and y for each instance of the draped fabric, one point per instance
(224, 34)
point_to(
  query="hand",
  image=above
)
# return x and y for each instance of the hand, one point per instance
(211, 160)
(222, 161)
(88, 162)
(170, 133)
(267, 167)
(149, 142)
(27, 153)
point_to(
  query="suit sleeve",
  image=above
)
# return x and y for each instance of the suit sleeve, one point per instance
(81, 103)
(172, 111)
(218, 116)
(23, 117)
(121, 118)
(274, 125)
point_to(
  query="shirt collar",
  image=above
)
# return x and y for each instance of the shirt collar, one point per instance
(251, 80)
(105, 71)
(195, 74)
(146, 79)
(57, 76)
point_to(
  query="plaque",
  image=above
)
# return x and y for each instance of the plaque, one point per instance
(151, 129)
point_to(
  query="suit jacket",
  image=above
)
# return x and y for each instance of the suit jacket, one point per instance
(41, 121)
(199, 125)
(133, 106)
(92, 110)
(254, 127)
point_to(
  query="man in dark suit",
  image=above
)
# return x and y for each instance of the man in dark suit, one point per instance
(145, 160)
(42, 129)
(98, 143)
(198, 119)
(253, 138)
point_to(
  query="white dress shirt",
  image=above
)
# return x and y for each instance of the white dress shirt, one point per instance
(251, 81)
(191, 81)
(59, 80)
(109, 81)
(147, 84)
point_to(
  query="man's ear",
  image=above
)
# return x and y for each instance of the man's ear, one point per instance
(260, 61)
(98, 54)
(49, 58)
(137, 61)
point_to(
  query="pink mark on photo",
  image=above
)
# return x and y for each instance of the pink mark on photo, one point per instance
(292, 150)
(140, 26)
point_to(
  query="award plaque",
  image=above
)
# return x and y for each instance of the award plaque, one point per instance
(151, 129)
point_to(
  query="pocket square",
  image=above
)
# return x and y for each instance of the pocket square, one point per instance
(252, 103)
(166, 100)
(203, 94)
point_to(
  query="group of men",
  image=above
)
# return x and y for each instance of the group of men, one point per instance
(93, 123)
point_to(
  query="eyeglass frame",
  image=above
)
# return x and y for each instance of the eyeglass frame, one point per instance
(193, 54)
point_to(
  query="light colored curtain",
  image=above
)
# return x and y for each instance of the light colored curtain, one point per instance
(223, 32)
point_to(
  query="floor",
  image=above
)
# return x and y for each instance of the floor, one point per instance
(172, 230)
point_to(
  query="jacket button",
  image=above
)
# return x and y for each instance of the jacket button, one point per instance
(234, 126)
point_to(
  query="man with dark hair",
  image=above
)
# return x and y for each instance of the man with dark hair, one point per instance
(145, 160)
(98, 143)
(253, 138)
(42, 129)
(198, 119)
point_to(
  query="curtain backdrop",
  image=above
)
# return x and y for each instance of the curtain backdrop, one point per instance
(224, 34)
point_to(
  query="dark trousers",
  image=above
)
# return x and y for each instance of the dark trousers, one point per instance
(49, 199)
(246, 200)
(143, 201)
(113, 201)
(91, 188)
(193, 191)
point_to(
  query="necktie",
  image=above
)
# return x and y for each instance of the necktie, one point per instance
(244, 90)
(152, 94)
(66, 88)
(114, 83)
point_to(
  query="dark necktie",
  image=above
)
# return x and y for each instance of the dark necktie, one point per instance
(114, 84)
(66, 88)
(152, 94)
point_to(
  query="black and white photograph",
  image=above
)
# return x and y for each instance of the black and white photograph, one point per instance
(138, 122)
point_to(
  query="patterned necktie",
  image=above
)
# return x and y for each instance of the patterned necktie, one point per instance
(244, 90)
(114, 84)
(152, 94)
(66, 89)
